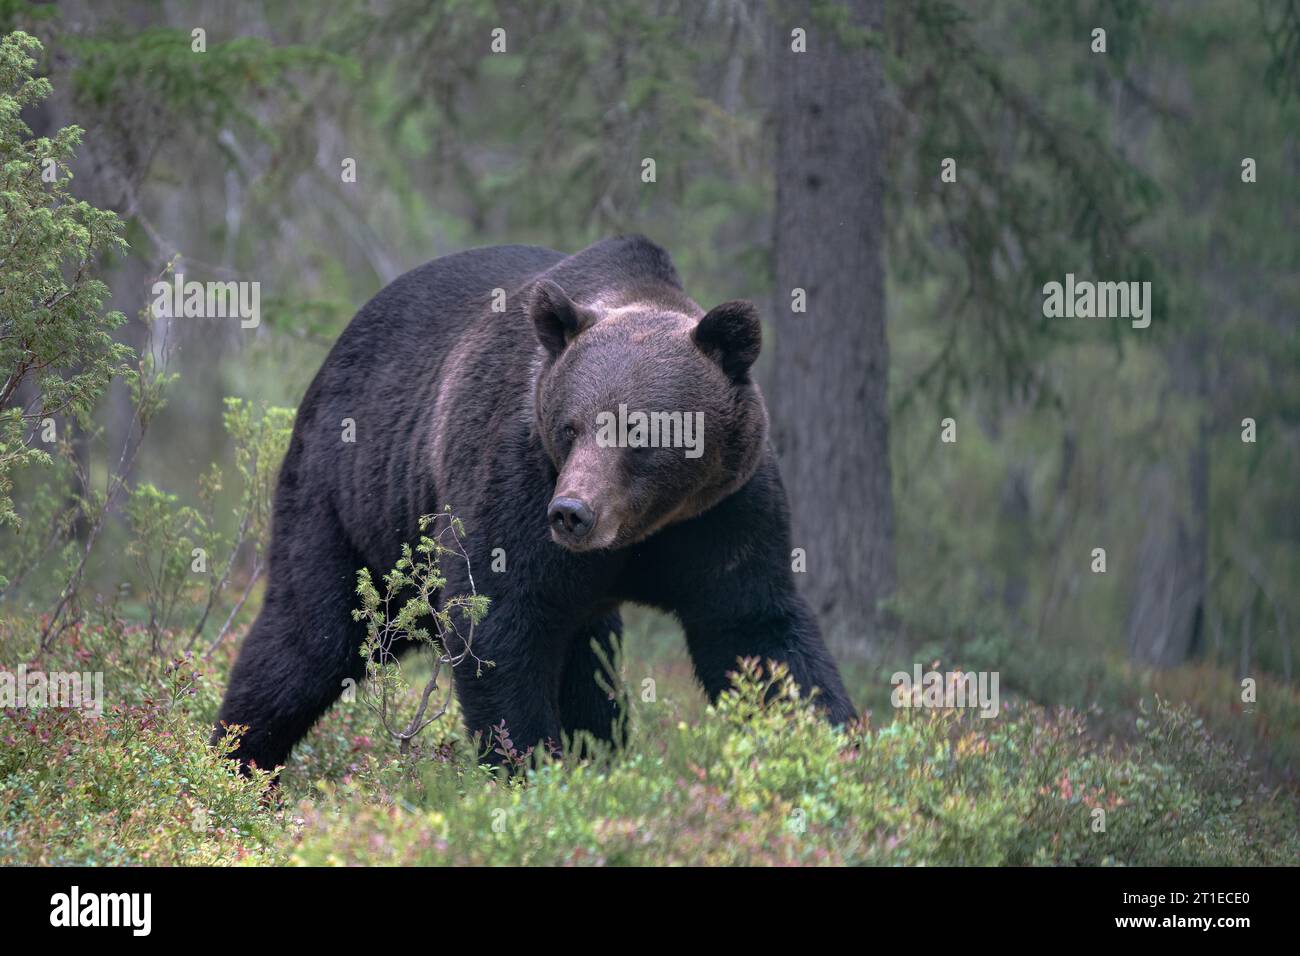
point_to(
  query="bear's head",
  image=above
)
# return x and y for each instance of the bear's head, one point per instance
(647, 413)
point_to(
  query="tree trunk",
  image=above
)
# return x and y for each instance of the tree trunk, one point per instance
(1167, 619)
(827, 390)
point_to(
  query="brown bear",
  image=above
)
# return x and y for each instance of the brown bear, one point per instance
(602, 430)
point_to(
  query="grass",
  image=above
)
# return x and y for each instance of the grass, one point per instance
(757, 779)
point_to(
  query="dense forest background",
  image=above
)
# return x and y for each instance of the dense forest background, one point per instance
(1170, 154)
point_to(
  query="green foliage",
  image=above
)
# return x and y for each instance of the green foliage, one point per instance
(545, 141)
(57, 355)
(757, 779)
(392, 620)
(14, 12)
(163, 534)
(147, 384)
(261, 438)
(1283, 73)
(760, 780)
(995, 529)
(138, 785)
(134, 787)
(1043, 192)
(46, 516)
(158, 70)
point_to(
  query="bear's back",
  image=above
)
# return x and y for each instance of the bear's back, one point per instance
(442, 296)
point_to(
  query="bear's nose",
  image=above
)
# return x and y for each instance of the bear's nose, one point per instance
(571, 517)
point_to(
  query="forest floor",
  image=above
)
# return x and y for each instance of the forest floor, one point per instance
(1128, 778)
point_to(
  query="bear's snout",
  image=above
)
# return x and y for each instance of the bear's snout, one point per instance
(571, 519)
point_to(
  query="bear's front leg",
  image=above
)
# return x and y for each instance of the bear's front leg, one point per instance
(727, 576)
(520, 688)
(781, 630)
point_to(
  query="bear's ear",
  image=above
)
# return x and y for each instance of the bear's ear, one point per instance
(731, 335)
(556, 319)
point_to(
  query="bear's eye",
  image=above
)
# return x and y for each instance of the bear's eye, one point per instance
(569, 432)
